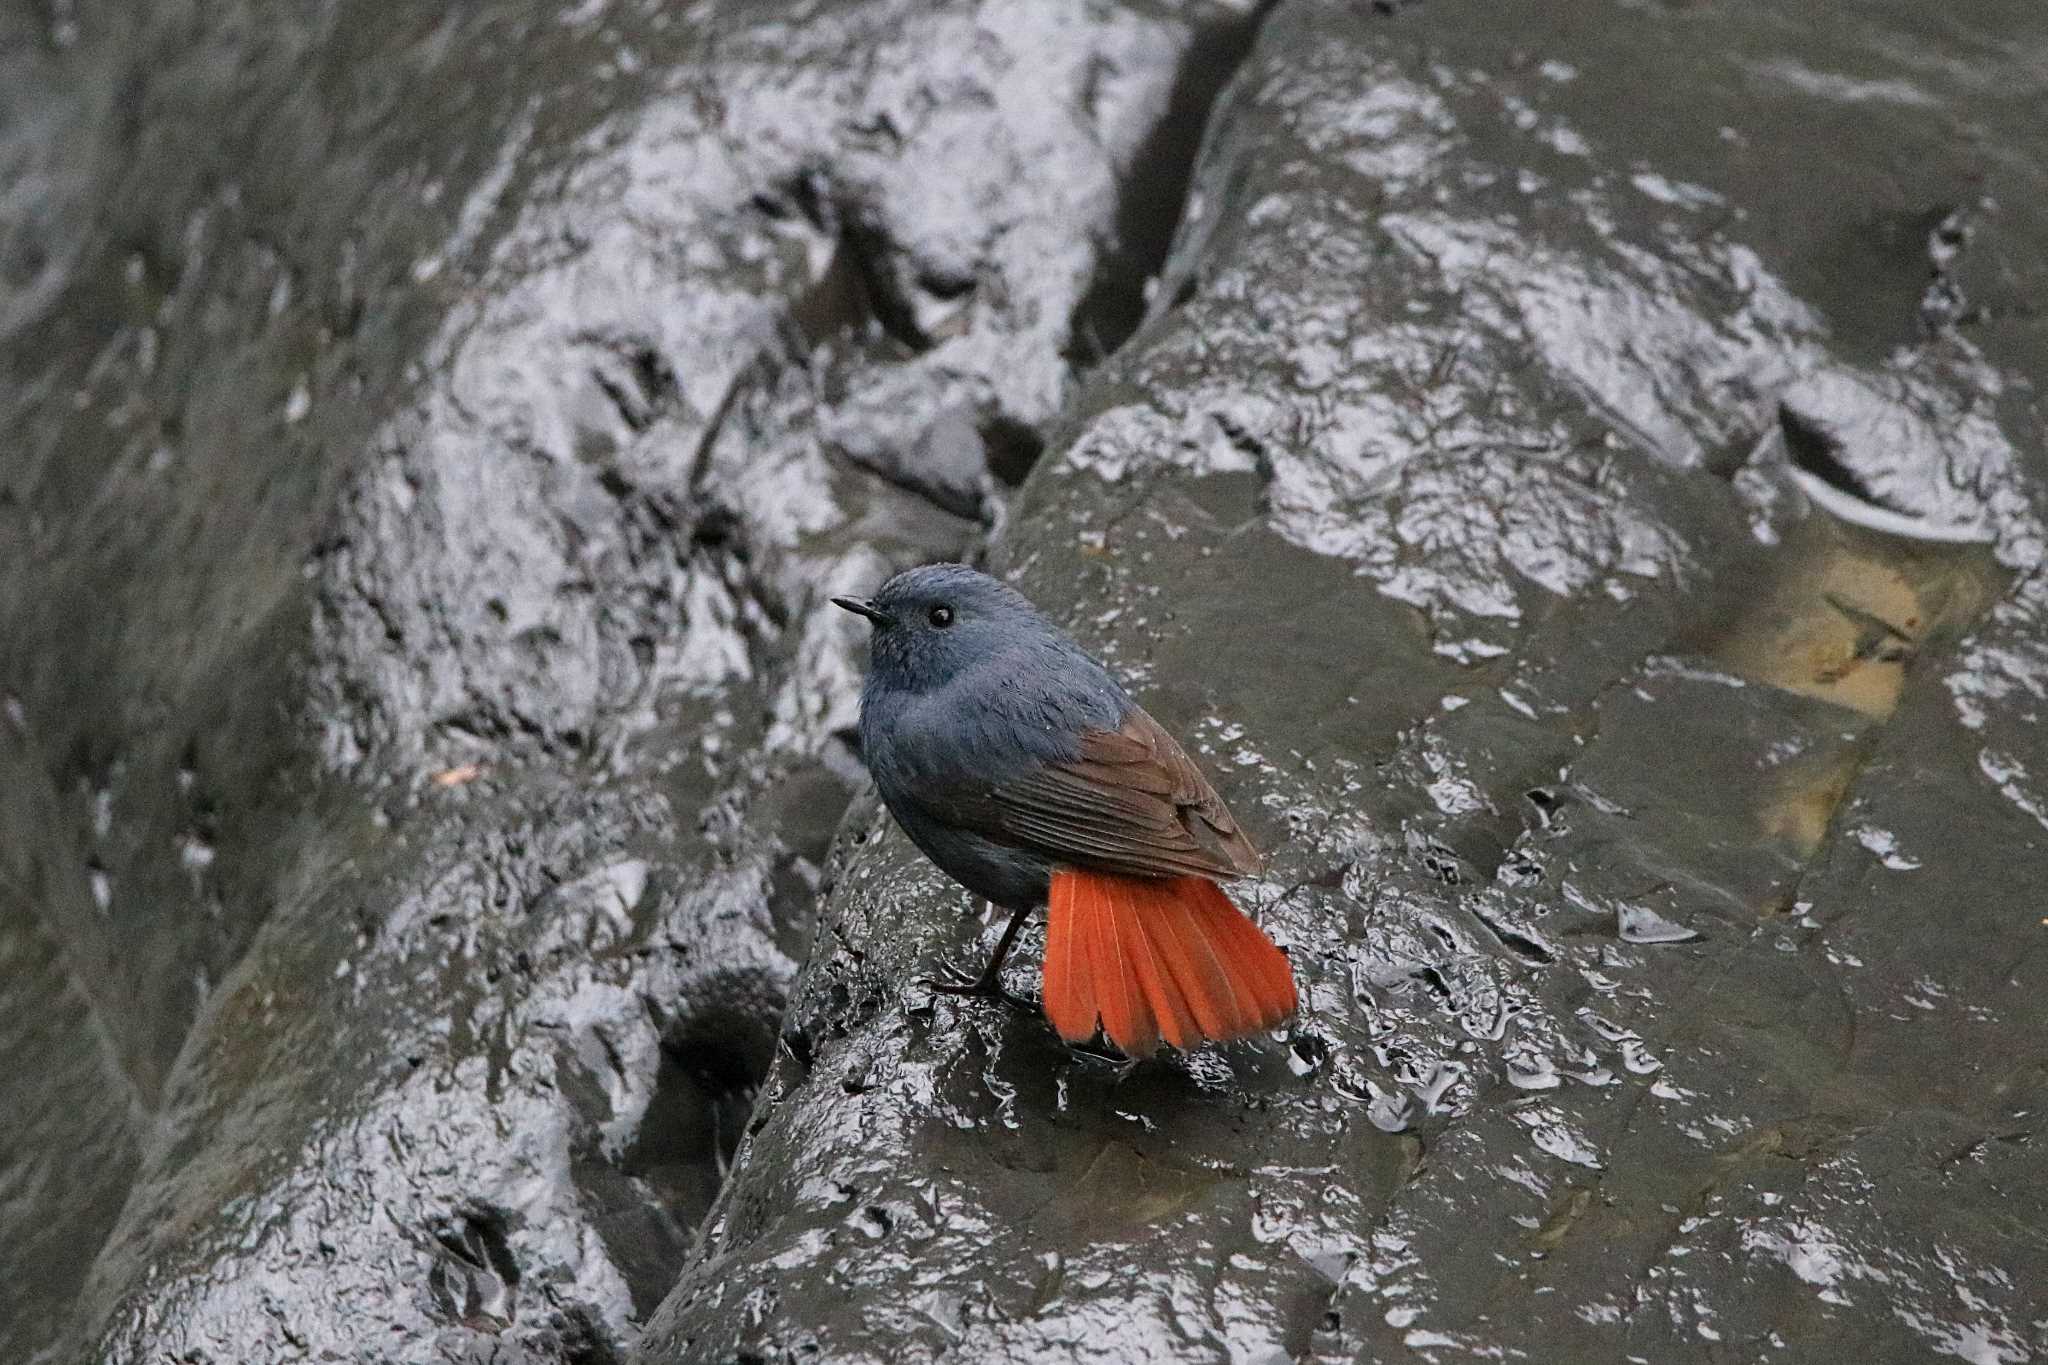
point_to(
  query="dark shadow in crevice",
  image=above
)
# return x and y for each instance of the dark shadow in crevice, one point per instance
(1815, 449)
(1155, 192)
(1012, 448)
(585, 1339)
(472, 1281)
(648, 1204)
(866, 251)
(837, 304)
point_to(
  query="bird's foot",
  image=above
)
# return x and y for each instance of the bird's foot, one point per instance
(985, 986)
(1116, 1063)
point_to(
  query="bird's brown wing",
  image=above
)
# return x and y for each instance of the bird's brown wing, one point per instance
(1133, 803)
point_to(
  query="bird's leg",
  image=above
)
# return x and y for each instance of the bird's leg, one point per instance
(990, 983)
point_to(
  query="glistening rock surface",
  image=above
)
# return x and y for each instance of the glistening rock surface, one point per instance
(1655, 851)
(422, 750)
(432, 436)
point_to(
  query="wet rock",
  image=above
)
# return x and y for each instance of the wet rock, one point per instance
(431, 863)
(1602, 773)
(778, 262)
(431, 1082)
(433, 438)
(1897, 454)
(68, 1141)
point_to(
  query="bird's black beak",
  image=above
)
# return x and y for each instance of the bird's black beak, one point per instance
(861, 606)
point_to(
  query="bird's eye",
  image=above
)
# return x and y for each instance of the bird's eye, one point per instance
(941, 617)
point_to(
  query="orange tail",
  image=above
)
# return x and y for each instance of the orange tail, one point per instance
(1153, 958)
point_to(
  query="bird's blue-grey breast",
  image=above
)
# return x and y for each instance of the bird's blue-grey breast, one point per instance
(970, 687)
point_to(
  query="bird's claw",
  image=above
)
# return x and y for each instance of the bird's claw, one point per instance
(986, 986)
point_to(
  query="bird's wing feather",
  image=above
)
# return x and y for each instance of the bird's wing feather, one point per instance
(1133, 802)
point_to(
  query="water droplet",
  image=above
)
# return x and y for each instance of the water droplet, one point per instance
(1388, 1112)
(195, 853)
(1640, 924)
(1306, 1055)
(1533, 1072)
(1885, 845)
(1606, 1028)
(1552, 1134)
(1437, 1084)
(1637, 1059)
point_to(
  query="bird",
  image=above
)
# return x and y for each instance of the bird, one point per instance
(1021, 767)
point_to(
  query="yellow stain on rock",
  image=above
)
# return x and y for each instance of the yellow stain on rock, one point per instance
(1805, 800)
(1841, 613)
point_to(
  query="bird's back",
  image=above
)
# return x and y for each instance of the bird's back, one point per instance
(1007, 715)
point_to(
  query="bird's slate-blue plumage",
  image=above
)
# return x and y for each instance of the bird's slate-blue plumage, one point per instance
(1028, 775)
(950, 713)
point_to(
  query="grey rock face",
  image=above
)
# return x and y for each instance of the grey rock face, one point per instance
(433, 436)
(1575, 474)
(1442, 497)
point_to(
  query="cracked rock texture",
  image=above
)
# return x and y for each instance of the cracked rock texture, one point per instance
(1653, 848)
(422, 740)
(1575, 473)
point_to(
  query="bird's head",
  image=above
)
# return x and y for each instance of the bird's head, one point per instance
(934, 622)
